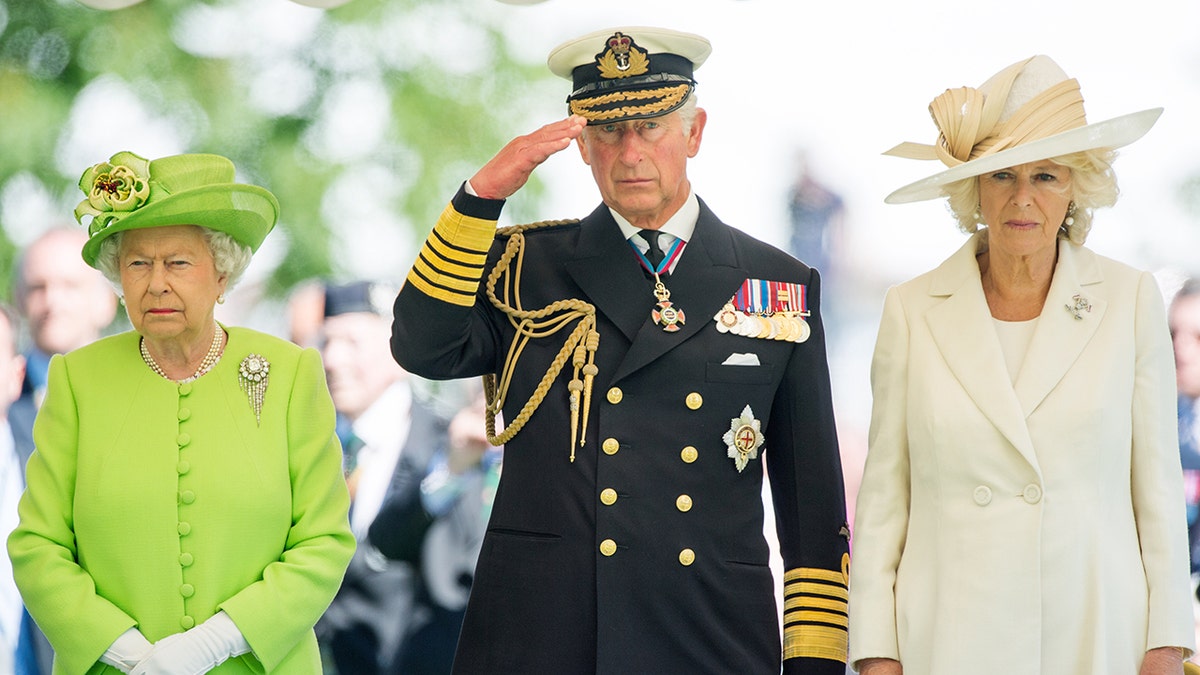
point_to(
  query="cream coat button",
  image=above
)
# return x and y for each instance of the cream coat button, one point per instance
(608, 547)
(694, 401)
(608, 496)
(615, 395)
(983, 495)
(684, 503)
(611, 446)
(688, 454)
(1032, 494)
(686, 557)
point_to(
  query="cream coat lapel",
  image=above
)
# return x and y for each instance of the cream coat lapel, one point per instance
(1060, 337)
(962, 328)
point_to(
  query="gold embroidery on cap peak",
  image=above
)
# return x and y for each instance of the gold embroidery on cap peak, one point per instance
(670, 97)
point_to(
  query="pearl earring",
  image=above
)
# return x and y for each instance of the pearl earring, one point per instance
(977, 215)
(1070, 219)
(221, 299)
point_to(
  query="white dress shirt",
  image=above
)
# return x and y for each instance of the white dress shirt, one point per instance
(383, 429)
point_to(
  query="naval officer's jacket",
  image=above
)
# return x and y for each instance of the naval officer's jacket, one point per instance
(644, 553)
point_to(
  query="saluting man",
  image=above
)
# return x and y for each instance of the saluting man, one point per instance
(648, 360)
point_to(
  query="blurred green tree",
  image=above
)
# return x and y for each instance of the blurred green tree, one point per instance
(378, 108)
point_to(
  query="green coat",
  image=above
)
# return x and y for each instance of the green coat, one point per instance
(155, 504)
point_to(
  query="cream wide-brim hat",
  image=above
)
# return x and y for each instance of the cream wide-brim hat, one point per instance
(1026, 112)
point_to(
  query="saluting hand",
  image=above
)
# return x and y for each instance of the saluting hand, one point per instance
(510, 169)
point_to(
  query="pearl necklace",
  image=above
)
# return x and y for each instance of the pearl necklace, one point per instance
(210, 359)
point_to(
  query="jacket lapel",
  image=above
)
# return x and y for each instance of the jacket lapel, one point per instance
(705, 278)
(961, 327)
(703, 281)
(1059, 337)
(614, 288)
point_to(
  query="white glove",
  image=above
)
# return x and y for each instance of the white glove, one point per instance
(127, 650)
(195, 651)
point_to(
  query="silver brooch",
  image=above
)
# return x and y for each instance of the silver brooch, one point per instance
(743, 439)
(1078, 304)
(253, 375)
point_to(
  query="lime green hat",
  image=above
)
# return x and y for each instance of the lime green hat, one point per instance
(130, 192)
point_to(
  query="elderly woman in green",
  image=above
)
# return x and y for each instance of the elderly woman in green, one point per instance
(185, 510)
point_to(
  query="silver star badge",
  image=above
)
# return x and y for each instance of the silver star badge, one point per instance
(744, 438)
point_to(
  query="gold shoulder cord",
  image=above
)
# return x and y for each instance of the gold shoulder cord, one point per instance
(580, 346)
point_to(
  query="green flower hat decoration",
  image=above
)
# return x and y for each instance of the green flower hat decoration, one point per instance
(130, 192)
(113, 188)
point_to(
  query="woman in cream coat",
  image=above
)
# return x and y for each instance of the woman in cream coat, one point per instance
(1021, 511)
(185, 510)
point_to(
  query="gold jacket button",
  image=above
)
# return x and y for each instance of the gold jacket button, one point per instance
(611, 446)
(688, 454)
(608, 547)
(694, 401)
(615, 395)
(608, 496)
(684, 503)
(686, 557)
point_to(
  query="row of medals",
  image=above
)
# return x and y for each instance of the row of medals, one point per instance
(789, 326)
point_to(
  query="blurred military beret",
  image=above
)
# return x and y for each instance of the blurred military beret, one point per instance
(373, 297)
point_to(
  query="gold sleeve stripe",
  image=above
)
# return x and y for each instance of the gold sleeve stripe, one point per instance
(810, 617)
(821, 642)
(798, 588)
(451, 255)
(808, 601)
(450, 264)
(453, 282)
(438, 292)
(465, 232)
(815, 574)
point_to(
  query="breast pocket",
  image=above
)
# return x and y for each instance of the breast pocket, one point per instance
(721, 373)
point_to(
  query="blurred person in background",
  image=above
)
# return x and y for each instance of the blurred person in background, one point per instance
(817, 222)
(1021, 506)
(438, 526)
(1184, 318)
(389, 436)
(185, 510)
(17, 653)
(305, 310)
(65, 304)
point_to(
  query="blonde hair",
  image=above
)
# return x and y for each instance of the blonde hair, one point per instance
(1093, 185)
